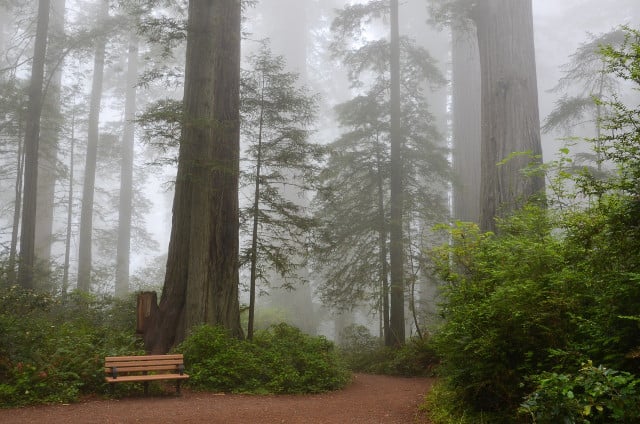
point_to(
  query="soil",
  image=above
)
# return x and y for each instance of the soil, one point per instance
(368, 399)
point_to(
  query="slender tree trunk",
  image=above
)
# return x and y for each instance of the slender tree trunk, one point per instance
(13, 250)
(510, 116)
(466, 126)
(382, 241)
(201, 284)
(86, 214)
(67, 239)
(49, 137)
(396, 319)
(254, 232)
(126, 173)
(32, 134)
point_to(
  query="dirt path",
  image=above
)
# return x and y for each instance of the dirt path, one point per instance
(369, 399)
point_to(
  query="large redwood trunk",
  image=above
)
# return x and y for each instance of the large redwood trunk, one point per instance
(510, 117)
(201, 284)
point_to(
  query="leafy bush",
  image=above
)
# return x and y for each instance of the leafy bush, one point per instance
(593, 395)
(280, 359)
(363, 352)
(51, 348)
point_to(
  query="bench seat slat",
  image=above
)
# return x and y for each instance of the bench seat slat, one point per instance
(172, 362)
(140, 368)
(149, 377)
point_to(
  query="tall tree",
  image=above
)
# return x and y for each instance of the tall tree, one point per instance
(32, 134)
(363, 166)
(510, 117)
(126, 173)
(396, 245)
(50, 134)
(201, 283)
(276, 117)
(86, 214)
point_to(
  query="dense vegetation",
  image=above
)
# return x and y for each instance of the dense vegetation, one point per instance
(541, 319)
(52, 350)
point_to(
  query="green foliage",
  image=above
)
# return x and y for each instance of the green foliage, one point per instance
(363, 352)
(593, 395)
(52, 348)
(280, 359)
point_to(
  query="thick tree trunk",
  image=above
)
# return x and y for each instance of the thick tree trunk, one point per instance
(86, 214)
(510, 117)
(396, 319)
(126, 173)
(49, 136)
(67, 239)
(466, 126)
(17, 210)
(32, 134)
(201, 284)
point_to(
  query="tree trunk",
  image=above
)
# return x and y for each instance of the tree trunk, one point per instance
(15, 227)
(67, 239)
(126, 173)
(49, 137)
(396, 319)
(201, 284)
(86, 214)
(382, 246)
(510, 117)
(466, 126)
(254, 230)
(32, 134)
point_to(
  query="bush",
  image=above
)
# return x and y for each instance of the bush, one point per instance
(593, 395)
(363, 352)
(51, 348)
(280, 359)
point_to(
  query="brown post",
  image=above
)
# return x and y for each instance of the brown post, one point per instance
(147, 307)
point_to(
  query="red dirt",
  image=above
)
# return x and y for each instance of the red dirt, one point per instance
(368, 399)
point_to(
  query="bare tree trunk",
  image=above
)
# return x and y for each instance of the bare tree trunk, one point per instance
(396, 319)
(32, 134)
(466, 126)
(201, 284)
(49, 136)
(13, 250)
(67, 240)
(254, 231)
(86, 214)
(510, 117)
(383, 253)
(126, 174)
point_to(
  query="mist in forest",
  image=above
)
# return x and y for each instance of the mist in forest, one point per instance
(109, 135)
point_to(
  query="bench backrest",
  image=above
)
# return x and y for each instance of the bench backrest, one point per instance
(128, 364)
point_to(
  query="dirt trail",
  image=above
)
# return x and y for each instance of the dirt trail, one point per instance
(369, 399)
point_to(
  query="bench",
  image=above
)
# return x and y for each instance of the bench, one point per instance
(127, 369)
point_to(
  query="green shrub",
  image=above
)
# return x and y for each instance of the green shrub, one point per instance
(280, 359)
(593, 395)
(52, 348)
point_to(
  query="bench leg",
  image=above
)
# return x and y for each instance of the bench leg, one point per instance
(146, 388)
(178, 387)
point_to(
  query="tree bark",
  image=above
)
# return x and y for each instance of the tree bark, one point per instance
(396, 250)
(466, 126)
(510, 117)
(49, 137)
(201, 284)
(126, 174)
(86, 214)
(32, 134)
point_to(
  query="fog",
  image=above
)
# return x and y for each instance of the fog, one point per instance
(300, 31)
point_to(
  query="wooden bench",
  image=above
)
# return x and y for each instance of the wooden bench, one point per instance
(127, 369)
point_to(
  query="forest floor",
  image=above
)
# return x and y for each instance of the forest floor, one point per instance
(368, 399)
